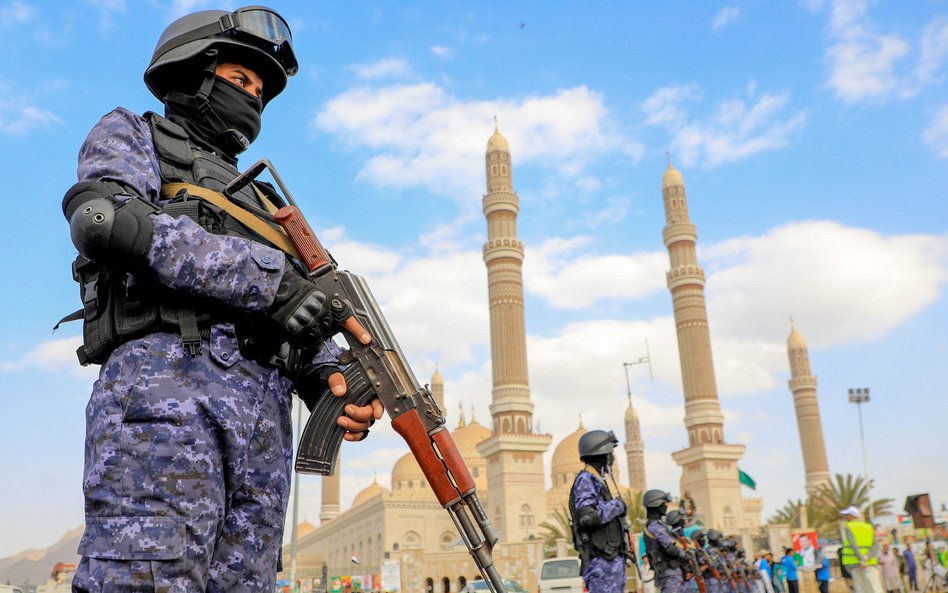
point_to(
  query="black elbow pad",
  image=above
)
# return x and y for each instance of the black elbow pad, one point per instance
(104, 230)
(588, 517)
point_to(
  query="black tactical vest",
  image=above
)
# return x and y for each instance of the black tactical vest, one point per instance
(605, 541)
(118, 305)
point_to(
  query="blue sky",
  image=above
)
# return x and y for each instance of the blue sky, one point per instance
(812, 137)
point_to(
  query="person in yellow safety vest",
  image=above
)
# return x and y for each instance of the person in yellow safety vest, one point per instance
(859, 552)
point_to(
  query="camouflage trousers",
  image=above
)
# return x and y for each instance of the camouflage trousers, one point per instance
(672, 581)
(187, 468)
(605, 576)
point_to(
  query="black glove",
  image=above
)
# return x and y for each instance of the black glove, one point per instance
(302, 311)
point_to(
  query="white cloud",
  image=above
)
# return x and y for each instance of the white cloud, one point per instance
(934, 49)
(18, 114)
(737, 129)
(54, 356)
(840, 284)
(936, 135)
(442, 51)
(868, 62)
(380, 69)
(429, 138)
(588, 279)
(16, 12)
(724, 16)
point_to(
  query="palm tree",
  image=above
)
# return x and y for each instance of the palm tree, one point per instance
(635, 512)
(559, 528)
(842, 492)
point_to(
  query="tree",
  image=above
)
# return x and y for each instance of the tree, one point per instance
(636, 512)
(558, 528)
(839, 493)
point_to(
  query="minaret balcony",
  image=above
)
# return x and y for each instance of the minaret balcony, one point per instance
(684, 275)
(802, 382)
(679, 231)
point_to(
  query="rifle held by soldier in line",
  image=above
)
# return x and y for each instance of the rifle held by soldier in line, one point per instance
(693, 563)
(379, 369)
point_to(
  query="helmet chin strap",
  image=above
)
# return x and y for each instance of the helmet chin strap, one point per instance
(230, 138)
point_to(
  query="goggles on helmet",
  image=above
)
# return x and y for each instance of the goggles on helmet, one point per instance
(256, 25)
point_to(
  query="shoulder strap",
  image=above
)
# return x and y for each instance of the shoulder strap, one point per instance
(272, 234)
(171, 145)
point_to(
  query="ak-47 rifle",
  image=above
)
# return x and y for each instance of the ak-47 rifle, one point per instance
(690, 549)
(709, 562)
(723, 563)
(379, 370)
(628, 547)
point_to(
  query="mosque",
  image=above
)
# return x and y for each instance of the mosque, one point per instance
(404, 522)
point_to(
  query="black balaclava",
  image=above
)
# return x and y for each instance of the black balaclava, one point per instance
(220, 116)
(657, 512)
(602, 463)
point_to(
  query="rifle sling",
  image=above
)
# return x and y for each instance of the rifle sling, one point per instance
(274, 235)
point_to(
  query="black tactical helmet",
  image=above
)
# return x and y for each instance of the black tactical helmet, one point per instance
(597, 442)
(714, 535)
(698, 534)
(655, 498)
(674, 517)
(255, 36)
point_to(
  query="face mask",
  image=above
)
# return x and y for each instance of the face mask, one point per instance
(238, 110)
(228, 127)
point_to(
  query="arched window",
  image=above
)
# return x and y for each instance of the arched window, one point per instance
(462, 582)
(526, 516)
(445, 585)
(395, 547)
(429, 585)
(448, 538)
(412, 539)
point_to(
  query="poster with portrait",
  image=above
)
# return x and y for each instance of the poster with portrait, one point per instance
(805, 550)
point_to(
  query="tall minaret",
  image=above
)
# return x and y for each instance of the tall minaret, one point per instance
(634, 449)
(437, 389)
(709, 466)
(514, 453)
(803, 386)
(329, 506)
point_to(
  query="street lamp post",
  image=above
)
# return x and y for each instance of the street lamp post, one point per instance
(859, 396)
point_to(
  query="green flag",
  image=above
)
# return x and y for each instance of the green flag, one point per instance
(746, 480)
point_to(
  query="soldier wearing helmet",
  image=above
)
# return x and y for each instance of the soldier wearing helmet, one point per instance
(666, 556)
(599, 532)
(203, 328)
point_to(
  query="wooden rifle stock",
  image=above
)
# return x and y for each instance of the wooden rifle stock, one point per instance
(380, 370)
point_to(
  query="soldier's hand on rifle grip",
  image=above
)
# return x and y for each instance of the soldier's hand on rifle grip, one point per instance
(358, 419)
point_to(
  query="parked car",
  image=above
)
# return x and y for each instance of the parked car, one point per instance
(480, 585)
(561, 575)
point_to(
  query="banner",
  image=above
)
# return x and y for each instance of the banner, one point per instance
(805, 546)
(335, 585)
(391, 576)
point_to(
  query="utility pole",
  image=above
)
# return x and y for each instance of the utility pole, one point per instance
(859, 396)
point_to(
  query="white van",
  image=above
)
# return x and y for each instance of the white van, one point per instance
(561, 575)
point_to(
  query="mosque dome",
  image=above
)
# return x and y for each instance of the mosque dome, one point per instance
(406, 469)
(304, 528)
(368, 493)
(795, 340)
(566, 460)
(671, 178)
(497, 142)
(467, 437)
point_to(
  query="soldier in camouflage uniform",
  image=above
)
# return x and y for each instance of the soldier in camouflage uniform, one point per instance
(665, 554)
(599, 533)
(201, 327)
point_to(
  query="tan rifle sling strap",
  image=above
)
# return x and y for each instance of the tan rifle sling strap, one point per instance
(273, 234)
